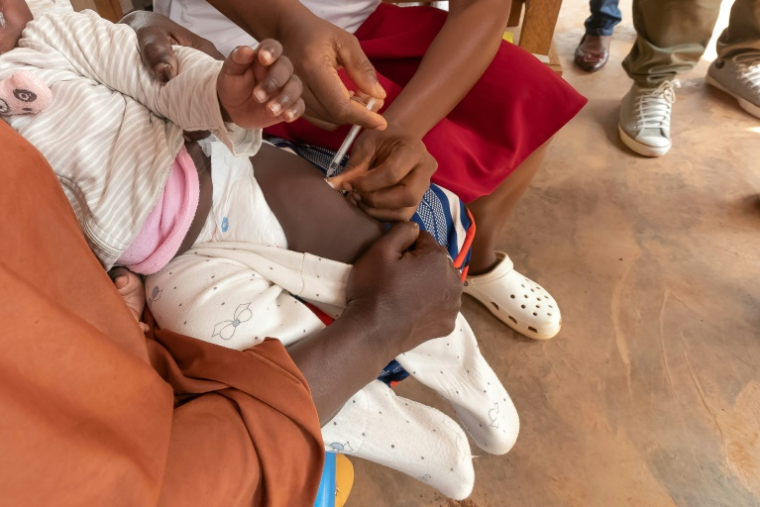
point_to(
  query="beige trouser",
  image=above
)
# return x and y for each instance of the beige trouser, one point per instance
(673, 35)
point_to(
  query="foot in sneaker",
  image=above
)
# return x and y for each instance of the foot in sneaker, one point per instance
(645, 118)
(740, 78)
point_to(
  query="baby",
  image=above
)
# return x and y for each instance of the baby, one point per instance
(195, 216)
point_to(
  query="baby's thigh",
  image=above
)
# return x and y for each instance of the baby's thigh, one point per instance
(316, 219)
(224, 302)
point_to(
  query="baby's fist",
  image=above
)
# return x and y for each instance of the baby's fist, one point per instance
(257, 88)
(131, 289)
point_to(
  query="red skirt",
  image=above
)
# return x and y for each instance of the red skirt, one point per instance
(516, 106)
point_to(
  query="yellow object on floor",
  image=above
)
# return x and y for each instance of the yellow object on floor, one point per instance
(344, 479)
(509, 37)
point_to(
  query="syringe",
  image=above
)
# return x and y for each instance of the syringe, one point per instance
(335, 165)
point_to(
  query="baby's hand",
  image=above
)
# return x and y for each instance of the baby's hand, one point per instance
(131, 289)
(257, 88)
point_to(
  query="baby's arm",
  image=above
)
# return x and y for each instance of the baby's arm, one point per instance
(109, 55)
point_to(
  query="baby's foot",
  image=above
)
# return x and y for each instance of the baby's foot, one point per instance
(130, 287)
(257, 88)
(407, 436)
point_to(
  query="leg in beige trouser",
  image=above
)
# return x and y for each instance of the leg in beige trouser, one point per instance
(743, 33)
(673, 35)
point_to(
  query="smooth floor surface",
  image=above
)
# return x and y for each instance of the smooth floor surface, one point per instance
(650, 396)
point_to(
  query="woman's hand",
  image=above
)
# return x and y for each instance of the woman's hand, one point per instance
(257, 88)
(402, 292)
(406, 288)
(388, 174)
(155, 36)
(317, 49)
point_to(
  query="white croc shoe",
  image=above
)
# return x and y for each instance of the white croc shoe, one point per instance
(517, 301)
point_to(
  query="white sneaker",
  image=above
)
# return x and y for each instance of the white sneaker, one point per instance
(740, 78)
(515, 300)
(645, 118)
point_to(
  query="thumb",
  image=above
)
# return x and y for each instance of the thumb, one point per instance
(360, 70)
(426, 242)
(119, 272)
(158, 55)
(398, 240)
(239, 61)
(121, 281)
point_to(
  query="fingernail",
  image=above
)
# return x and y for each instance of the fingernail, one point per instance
(352, 199)
(357, 197)
(330, 183)
(235, 55)
(260, 95)
(379, 90)
(347, 187)
(290, 115)
(266, 55)
(275, 108)
(164, 72)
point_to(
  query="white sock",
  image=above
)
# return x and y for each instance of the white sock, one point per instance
(404, 435)
(454, 367)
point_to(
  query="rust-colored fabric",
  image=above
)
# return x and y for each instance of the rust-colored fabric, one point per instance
(93, 413)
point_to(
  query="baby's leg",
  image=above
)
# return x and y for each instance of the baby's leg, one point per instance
(316, 219)
(404, 435)
(454, 367)
(223, 301)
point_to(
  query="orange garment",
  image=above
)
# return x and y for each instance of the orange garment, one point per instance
(93, 413)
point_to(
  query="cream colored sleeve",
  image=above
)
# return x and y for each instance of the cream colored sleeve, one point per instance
(109, 54)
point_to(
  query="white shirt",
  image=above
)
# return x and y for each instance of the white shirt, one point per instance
(200, 17)
(112, 132)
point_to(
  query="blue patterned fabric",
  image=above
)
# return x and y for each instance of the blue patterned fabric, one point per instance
(392, 373)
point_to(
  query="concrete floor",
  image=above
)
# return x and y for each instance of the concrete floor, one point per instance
(650, 396)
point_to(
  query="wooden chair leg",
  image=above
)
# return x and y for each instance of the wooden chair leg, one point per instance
(538, 25)
(515, 12)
